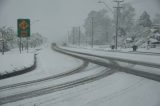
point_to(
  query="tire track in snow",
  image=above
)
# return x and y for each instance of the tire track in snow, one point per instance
(13, 98)
(29, 83)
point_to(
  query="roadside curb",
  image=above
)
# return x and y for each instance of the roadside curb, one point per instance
(22, 71)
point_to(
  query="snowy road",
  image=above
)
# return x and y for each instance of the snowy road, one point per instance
(97, 89)
(141, 67)
(81, 75)
(118, 89)
(145, 60)
(49, 64)
(34, 82)
(54, 85)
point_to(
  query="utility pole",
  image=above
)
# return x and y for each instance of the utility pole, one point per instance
(68, 38)
(20, 45)
(118, 7)
(2, 43)
(2, 32)
(73, 34)
(92, 34)
(106, 38)
(79, 36)
(27, 44)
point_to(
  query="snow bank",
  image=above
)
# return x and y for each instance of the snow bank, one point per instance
(14, 62)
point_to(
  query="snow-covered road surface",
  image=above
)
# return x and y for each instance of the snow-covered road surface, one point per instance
(55, 85)
(34, 82)
(49, 63)
(137, 67)
(134, 57)
(119, 89)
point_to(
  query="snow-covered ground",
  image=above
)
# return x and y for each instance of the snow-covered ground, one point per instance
(14, 61)
(85, 73)
(134, 57)
(107, 48)
(151, 59)
(119, 89)
(49, 63)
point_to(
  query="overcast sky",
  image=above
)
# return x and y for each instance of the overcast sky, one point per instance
(57, 17)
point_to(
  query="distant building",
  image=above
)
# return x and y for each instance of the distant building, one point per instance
(155, 28)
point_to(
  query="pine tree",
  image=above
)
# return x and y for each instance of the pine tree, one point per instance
(145, 20)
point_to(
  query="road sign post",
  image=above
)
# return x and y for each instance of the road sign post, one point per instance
(27, 44)
(20, 46)
(23, 26)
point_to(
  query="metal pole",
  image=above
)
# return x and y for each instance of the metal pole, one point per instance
(3, 47)
(68, 38)
(117, 26)
(73, 35)
(106, 37)
(117, 21)
(92, 34)
(27, 45)
(79, 36)
(2, 43)
(20, 44)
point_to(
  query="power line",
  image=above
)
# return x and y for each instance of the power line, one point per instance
(111, 1)
(106, 6)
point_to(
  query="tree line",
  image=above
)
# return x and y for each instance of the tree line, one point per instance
(9, 39)
(100, 25)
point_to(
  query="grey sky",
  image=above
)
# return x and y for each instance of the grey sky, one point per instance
(58, 16)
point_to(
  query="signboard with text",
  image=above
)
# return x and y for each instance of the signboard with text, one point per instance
(23, 27)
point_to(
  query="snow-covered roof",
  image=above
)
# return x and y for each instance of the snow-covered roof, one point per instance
(157, 34)
(129, 39)
(153, 30)
(153, 40)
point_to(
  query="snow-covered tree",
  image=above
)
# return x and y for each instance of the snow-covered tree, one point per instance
(12, 41)
(36, 39)
(156, 20)
(126, 22)
(145, 20)
(102, 26)
(6, 38)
